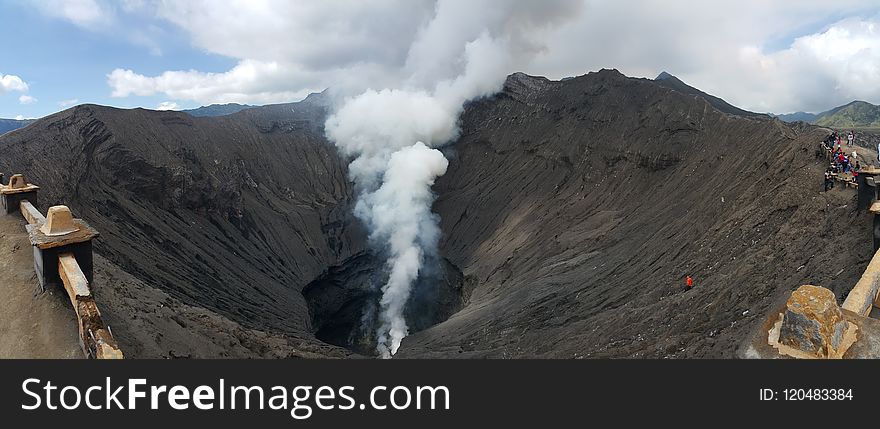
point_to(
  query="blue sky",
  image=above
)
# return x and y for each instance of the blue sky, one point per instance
(61, 61)
(767, 56)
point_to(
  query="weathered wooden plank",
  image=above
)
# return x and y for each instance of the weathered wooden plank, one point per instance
(95, 337)
(862, 296)
(30, 213)
(74, 280)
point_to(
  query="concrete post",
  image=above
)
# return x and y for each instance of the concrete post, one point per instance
(61, 233)
(867, 191)
(17, 190)
(59, 221)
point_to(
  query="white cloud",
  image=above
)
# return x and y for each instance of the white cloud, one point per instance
(88, 14)
(10, 83)
(248, 82)
(130, 20)
(19, 117)
(27, 99)
(286, 50)
(167, 105)
(774, 56)
(746, 51)
(316, 34)
(67, 103)
(817, 71)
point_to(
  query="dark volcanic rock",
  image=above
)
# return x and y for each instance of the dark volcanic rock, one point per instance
(580, 210)
(571, 211)
(235, 214)
(670, 81)
(217, 109)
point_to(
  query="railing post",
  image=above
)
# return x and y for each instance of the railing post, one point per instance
(17, 190)
(60, 233)
(63, 256)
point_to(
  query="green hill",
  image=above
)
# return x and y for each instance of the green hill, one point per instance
(858, 114)
(798, 116)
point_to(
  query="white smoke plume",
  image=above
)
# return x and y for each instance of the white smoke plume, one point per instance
(463, 52)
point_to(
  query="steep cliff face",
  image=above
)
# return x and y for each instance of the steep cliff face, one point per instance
(579, 208)
(571, 213)
(234, 214)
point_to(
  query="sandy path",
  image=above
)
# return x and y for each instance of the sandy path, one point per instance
(31, 326)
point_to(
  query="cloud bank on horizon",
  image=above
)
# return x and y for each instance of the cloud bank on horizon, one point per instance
(779, 56)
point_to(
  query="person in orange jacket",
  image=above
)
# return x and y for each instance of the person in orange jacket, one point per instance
(689, 282)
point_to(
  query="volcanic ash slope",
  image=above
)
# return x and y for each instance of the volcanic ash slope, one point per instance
(572, 211)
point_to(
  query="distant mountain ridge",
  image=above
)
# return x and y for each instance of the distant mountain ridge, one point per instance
(856, 114)
(672, 82)
(317, 98)
(7, 125)
(798, 116)
(218, 109)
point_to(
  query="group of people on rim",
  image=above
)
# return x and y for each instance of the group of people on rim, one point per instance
(841, 162)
